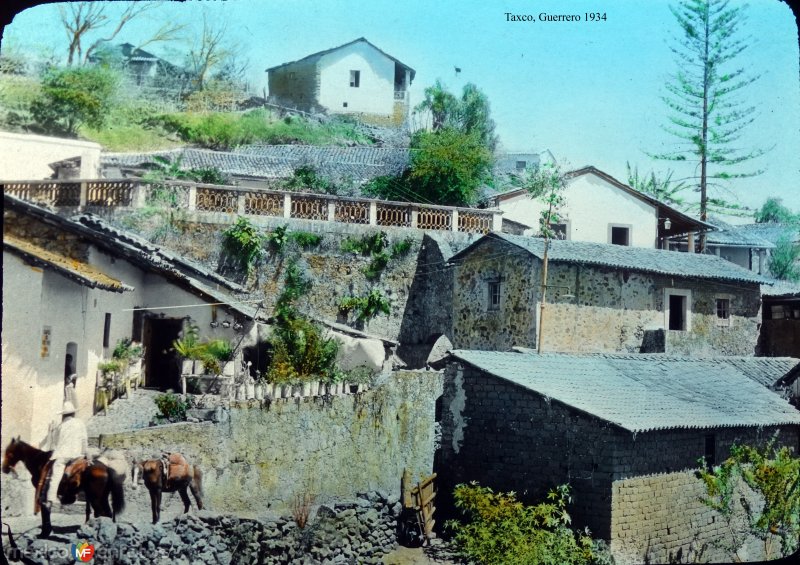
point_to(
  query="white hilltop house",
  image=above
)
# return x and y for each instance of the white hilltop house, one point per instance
(599, 209)
(356, 78)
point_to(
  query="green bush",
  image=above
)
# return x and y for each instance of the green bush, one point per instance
(125, 350)
(171, 407)
(500, 529)
(306, 239)
(243, 241)
(400, 248)
(74, 97)
(367, 307)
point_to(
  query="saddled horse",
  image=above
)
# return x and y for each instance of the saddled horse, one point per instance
(98, 482)
(39, 464)
(180, 476)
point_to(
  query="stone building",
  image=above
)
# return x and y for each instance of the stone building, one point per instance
(780, 325)
(601, 298)
(70, 286)
(356, 78)
(624, 431)
(600, 209)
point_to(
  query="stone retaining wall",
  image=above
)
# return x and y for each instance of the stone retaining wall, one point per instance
(263, 457)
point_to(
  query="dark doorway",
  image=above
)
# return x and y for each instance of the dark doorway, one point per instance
(162, 363)
(677, 312)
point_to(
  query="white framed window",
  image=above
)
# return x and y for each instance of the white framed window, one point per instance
(495, 295)
(722, 307)
(355, 79)
(677, 309)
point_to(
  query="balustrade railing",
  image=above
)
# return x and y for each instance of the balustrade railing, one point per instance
(134, 193)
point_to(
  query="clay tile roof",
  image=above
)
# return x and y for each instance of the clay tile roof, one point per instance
(688, 265)
(641, 393)
(73, 269)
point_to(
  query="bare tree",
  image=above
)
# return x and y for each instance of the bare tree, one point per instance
(211, 51)
(81, 18)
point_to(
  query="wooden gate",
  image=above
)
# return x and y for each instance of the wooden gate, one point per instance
(420, 498)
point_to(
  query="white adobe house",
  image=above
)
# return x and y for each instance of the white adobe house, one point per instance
(355, 78)
(70, 287)
(29, 157)
(600, 209)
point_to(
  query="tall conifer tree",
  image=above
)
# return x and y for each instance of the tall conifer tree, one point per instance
(704, 109)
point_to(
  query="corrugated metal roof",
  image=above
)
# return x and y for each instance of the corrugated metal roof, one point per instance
(648, 392)
(691, 265)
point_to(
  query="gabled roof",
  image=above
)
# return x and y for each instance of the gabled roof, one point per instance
(73, 269)
(673, 263)
(641, 393)
(772, 231)
(360, 164)
(674, 213)
(138, 251)
(326, 51)
(729, 235)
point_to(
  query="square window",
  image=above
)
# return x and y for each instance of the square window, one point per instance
(723, 311)
(521, 165)
(344, 104)
(494, 295)
(355, 79)
(620, 235)
(559, 231)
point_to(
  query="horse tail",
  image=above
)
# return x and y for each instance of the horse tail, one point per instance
(198, 479)
(117, 493)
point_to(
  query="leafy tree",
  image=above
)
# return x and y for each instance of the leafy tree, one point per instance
(499, 529)
(547, 183)
(73, 97)
(774, 475)
(773, 211)
(470, 114)
(704, 113)
(448, 166)
(663, 188)
(783, 260)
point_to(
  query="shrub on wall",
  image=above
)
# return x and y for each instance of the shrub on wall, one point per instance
(499, 529)
(243, 241)
(171, 407)
(367, 307)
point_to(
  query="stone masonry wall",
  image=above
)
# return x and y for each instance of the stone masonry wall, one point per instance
(657, 514)
(507, 438)
(593, 308)
(330, 447)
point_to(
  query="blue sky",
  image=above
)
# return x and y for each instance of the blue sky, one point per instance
(587, 91)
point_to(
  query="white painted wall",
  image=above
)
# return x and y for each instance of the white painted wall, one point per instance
(375, 95)
(27, 157)
(591, 204)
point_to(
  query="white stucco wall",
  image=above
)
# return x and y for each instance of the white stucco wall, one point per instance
(27, 157)
(375, 94)
(591, 205)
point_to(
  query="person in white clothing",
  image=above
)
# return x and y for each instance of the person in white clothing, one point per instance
(69, 440)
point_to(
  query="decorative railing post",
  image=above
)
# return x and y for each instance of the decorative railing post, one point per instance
(193, 197)
(373, 213)
(84, 194)
(287, 205)
(454, 224)
(331, 210)
(497, 221)
(240, 202)
(414, 217)
(139, 196)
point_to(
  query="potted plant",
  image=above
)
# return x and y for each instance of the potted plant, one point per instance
(190, 349)
(129, 355)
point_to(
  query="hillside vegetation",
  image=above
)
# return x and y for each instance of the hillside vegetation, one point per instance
(135, 123)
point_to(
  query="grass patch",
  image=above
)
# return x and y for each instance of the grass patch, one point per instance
(131, 137)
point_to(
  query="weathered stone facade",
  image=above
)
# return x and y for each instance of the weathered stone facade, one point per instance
(336, 447)
(637, 491)
(592, 308)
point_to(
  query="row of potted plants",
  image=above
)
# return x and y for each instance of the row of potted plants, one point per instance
(120, 373)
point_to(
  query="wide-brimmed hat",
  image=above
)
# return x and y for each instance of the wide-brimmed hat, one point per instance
(68, 408)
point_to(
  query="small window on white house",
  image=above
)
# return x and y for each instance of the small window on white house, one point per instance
(620, 235)
(559, 231)
(355, 79)
(723, 311)
(107, 330)
(521, 165)
(344, 104)
(494, 295)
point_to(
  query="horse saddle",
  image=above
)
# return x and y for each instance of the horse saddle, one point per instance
(40, 495)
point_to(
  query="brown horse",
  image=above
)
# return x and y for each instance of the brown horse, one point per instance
(180, 476)
(37, 463)
(97, 481)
